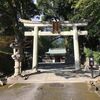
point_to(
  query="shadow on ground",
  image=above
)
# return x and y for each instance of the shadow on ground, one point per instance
(63, 70)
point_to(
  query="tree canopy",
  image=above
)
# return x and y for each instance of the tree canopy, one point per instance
(88, 10)
(11, 10)
(59, 8)
(72, 10)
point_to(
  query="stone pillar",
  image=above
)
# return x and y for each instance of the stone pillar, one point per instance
(17, 68)
(17, 58)
(35, 48)
(76, 48)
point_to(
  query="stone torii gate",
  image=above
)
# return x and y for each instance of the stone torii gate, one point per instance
(36, 32)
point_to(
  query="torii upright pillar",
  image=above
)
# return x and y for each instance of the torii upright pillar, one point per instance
(76, 48)
(35, 48)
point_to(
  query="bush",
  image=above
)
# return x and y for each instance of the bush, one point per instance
(96, 55)
(88, 52)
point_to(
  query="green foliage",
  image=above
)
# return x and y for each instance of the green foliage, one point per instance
(11, 10)
(74, 10)
(88, 10)
(58, 8)
(88, 52)
(44, 45)
(59, 43)
(96, 55)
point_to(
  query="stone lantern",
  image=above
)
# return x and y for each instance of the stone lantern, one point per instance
(16, 56)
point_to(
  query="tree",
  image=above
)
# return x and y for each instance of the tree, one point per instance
(56, 8)
(11, 10)
(88, 10)
(44, 45)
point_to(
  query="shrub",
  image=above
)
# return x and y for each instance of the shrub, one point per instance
(88, 52)
(96, 54)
